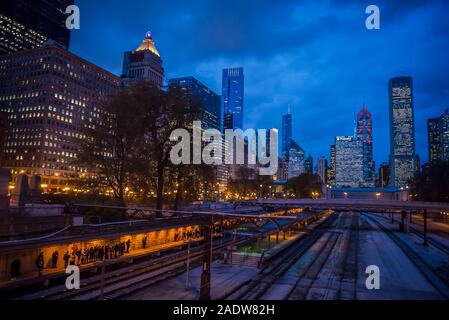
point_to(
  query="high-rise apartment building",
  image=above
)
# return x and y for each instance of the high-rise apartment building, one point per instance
(28, 24)
(51, 96)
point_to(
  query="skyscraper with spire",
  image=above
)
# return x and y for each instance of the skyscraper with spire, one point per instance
(144, 63)
(286, 132)
(292, 154)
(364, 133)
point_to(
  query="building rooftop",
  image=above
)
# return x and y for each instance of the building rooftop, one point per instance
(148, 44)
(386, 189)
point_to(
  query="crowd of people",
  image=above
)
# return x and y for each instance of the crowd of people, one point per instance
(80, 256)
(96, 253)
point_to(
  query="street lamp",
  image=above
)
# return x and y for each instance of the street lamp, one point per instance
(346, 195)
(378, 195)
(260, 192)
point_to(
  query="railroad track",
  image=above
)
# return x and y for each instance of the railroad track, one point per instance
(257, 287)
(437, 244)
(350, 261)
(301, 290)
(171, 264)
(338, 272)
(437, 281)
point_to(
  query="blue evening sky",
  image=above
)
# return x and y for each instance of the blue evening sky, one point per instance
(315, 55)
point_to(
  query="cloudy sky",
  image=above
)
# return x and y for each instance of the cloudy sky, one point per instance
(317, 56)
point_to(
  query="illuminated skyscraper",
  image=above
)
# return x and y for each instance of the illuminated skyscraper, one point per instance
(348, 162)
(210, 103)
(331, 171)
(433, 138)
(209, 100)
(295, 160)
(51, 97)
(232, 95)
(28, 24)
(144, 63)
(402, 131)
(286, 133)
(444, 136)
(365, 136)
(438, 138)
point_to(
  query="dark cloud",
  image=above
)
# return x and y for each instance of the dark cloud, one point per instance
(316, 56)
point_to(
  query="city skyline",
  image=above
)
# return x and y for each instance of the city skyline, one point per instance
(299, 74)
(156, 178)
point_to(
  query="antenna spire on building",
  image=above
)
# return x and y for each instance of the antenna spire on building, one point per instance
(355, 126)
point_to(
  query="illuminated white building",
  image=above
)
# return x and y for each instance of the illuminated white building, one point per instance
(348, 162)
(402, 131)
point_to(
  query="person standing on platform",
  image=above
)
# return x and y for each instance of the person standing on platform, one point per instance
(54, 259)
(40, 263)
(78, 255)
(66, 259)
(144, 242)
(128, 245)
(72, 259)
(101, 253)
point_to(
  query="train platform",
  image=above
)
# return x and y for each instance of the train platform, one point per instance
(49, 274)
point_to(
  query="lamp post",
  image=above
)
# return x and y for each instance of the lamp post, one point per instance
(207, 260)
(260, 192)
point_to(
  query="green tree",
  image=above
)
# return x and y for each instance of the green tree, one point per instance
(111, 140)
(303, 185)
(128, 145)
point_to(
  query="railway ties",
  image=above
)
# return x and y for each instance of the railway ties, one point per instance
(435, 278)
(262, 283)
(330, 275)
